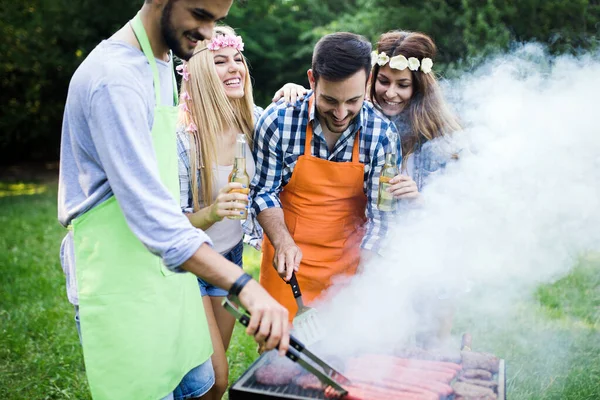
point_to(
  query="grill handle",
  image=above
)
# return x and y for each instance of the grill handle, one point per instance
(293, 282)
(295, 353)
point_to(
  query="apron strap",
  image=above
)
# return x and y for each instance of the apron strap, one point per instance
(142, 38)
(309, 134)
(309, 129)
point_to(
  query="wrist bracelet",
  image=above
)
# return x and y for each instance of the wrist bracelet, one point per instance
(239, 284)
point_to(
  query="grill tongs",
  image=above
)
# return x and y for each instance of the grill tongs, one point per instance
(327, 376)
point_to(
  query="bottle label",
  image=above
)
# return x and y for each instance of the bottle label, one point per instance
(242, 190)
(245, 212)
(385, 202)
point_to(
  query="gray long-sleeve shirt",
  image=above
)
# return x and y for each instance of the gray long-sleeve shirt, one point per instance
(106, 150)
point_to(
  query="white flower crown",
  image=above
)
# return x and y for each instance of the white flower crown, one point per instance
(401, 63)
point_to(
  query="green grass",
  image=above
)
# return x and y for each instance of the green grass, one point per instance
(551, 343)
(40, 356)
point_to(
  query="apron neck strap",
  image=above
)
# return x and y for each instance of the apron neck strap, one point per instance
(142, 38)
(309, 134)
(309, 129)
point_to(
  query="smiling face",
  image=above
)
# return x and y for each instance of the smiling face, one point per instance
(185, 22)
(231, 71)
(337, 103)
(393, 90)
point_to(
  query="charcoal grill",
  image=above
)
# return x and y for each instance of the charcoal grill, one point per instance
(247, 388)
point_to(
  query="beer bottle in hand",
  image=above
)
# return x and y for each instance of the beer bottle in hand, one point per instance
(385, 200)
(238, 173)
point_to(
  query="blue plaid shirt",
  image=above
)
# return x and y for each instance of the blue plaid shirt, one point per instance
(279, 141)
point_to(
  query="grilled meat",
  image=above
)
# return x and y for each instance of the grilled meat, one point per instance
(307, 381)
(277, 373)
(475, 360)
(471, 392)
(480, 382)
(477, 374)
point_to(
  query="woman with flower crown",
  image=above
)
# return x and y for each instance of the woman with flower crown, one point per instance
(404, 88)
(216, 105)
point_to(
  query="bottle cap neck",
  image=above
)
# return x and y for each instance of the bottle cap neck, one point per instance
(240, 146)
(390, 158)
(239, 163)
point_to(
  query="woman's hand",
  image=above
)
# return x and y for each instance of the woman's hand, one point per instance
(231, 201)
(403, 187)
(290, 93)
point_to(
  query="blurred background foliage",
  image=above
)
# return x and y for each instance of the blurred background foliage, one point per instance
(43, 42)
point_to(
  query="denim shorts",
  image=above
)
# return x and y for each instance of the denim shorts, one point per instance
(235, 256)
(194, 384)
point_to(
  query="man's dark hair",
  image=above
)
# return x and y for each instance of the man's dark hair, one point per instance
(340, 55)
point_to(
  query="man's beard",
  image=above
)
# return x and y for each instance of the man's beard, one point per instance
(170, 36)
(327, 120)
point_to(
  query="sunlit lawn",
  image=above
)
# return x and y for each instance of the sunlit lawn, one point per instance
(552, 344)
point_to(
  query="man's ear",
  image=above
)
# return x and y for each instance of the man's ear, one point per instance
(311, 80)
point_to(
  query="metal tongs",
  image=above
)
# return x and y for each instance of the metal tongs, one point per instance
(295, 352)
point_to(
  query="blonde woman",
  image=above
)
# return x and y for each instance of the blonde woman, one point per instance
(216, 105)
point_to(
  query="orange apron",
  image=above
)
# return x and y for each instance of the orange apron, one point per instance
(324, 209)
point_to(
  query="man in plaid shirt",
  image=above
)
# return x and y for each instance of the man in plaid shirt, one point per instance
(317, 174)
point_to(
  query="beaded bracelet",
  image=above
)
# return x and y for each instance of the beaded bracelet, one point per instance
(239, 284)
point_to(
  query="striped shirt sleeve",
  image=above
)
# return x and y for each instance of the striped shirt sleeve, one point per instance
(377, 221)
(183, 151)
(267, 182)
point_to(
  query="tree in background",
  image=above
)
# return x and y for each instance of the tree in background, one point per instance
(43, 43)
(45, 40)
(278, 38)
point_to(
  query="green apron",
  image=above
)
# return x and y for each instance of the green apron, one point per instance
(143, 327)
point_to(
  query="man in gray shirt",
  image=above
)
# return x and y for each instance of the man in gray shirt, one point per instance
(110, 160)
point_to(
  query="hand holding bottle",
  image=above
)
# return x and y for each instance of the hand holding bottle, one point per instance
(385, 199)
(403, 187)
(231, 202)
(239, 174)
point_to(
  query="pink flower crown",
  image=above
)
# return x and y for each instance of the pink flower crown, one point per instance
(221, 41)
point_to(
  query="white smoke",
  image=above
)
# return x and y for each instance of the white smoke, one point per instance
(518, 208)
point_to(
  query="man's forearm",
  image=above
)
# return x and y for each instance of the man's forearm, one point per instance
(213, 267)
(273, 223)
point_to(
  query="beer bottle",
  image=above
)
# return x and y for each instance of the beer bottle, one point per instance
(238, 173)
(385, 200)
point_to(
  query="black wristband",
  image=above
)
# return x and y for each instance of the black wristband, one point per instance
(239, 284)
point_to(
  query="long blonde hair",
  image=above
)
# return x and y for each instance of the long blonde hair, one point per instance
(213, 113)
(428, 115)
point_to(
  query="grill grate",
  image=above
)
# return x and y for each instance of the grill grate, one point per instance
(247, 388)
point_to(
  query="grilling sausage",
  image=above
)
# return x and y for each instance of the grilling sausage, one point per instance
(359, 391)
(385, 360)
(398, 373)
